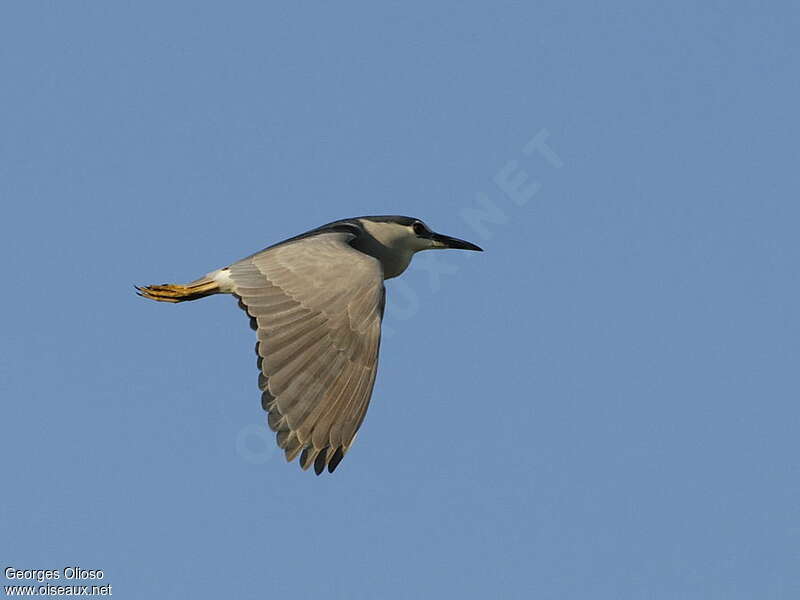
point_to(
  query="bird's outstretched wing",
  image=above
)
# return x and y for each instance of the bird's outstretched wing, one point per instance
(316, 304)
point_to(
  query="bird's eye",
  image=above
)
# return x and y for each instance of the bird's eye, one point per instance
(420, 229)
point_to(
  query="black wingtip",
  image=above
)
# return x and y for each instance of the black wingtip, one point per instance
(335, 459)
(303, 458)
(319, 462)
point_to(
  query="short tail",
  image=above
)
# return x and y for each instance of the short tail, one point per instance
(173, 292)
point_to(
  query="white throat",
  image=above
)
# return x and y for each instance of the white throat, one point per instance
(391, 244)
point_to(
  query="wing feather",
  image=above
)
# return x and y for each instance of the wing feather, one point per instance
(317, 306)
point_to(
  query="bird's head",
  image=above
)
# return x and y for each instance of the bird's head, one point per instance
(407, 234)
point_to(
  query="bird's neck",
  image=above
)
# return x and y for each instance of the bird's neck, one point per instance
(393, 260)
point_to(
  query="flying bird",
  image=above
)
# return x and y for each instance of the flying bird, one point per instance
(316, 303)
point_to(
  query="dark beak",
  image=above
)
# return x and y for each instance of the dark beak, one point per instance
(450, 242)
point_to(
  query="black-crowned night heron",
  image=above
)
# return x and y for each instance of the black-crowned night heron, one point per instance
(316, 301)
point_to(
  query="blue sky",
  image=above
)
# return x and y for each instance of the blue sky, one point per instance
(604, 404)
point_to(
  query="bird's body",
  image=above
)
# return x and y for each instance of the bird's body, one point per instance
(316, 302)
